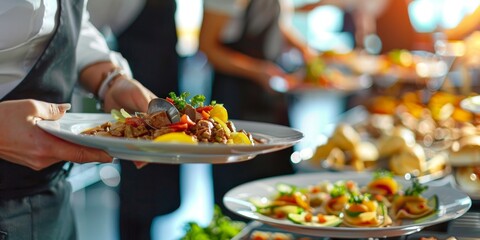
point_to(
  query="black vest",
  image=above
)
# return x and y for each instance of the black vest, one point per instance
(243, 98)
(51, 79)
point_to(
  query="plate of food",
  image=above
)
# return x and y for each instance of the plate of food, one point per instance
(351, 148)
(348, 205)
(204, 134)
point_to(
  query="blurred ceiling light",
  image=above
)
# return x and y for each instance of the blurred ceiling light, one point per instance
(424, 15)
(325, 19)
(295, 157)
(372, 44)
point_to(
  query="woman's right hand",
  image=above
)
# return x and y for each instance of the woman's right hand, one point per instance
(24, 143)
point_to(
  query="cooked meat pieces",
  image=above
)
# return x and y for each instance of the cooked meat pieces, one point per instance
(158, 119)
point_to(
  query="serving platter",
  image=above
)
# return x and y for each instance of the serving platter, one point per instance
(70, 126)
(453, 204)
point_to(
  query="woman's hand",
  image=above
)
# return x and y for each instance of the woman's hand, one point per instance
(274, 80)
(128, 94)
(24, 143)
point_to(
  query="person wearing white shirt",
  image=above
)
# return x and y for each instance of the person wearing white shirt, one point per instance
(45, 48)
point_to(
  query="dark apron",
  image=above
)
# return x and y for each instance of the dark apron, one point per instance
(35, 204)
(248, 101)
(154, 189)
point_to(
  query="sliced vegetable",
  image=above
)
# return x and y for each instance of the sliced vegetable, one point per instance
(283, 211)
(223, 125)
(204, 108)
(176, 137)
(285, 189)
(240, 138)
(186, 119)
(434, 204)
(317, 221)
(220, 112)
(125, 113)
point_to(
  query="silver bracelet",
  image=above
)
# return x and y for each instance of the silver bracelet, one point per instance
(106, 82)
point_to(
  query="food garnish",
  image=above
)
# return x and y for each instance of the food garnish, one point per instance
(345, 204)
(199, 123)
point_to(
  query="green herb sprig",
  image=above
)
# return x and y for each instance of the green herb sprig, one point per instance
(182, 100)
(338, 190)
(380, 173)
(416, 189)
(221, 227)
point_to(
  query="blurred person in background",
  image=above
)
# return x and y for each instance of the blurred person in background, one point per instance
(253, 50)
(144, 32)
(149, 43)
(52, 47)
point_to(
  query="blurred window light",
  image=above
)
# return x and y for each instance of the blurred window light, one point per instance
(430, 15)
(338, 42)
(424, 15)
(452, 13)
(325, 19)
(324, 26)
(188, 19)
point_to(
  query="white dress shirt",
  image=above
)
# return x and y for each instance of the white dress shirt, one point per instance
(26, 27)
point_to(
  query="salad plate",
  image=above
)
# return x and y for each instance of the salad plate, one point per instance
(452, 204)
(71, 126)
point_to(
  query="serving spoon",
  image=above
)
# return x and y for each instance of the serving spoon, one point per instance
(161, 104)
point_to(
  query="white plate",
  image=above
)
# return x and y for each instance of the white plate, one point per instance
(453, 204)
(72, 124)
(471, 104)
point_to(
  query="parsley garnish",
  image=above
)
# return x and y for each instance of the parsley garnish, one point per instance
(382, 173)
(181, 101)
(416, 189)
(197, 100)
(338, 190)
(358, 198)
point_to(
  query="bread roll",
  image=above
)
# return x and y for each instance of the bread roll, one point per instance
(322, 152)
(400, 138)
(365, 151)
(411, 160)
(345, 137)
(465, 152)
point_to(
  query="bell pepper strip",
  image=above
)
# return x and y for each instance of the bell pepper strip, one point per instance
(205, 115)
(178, 127)
(204, 108)
(170, 100)
(186, 119)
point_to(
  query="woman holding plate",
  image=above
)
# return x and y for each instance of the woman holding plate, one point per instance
(46, 47)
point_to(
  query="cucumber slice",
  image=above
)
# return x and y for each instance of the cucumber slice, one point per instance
(260, 202)
(331, 220)
(432, 202)
(284, 189)
(287, 209)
